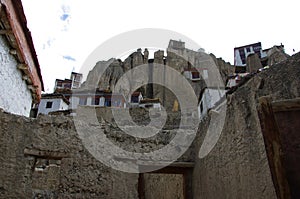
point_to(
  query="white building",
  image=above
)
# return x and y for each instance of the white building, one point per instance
(20, 76)
(95, 98)
(241, 53)
(72, 83)
(53, 102)
(76, 80)
(208, 99)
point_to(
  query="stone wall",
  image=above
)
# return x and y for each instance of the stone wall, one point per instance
(15, 96)
(45, 158)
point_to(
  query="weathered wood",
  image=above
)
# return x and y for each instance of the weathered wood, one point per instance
(286, 105)
(273, 148)
(289, 125)
(46, 154)
(5, 32)
(141, 186)
(22, 67)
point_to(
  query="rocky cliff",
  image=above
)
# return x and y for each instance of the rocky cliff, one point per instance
(178, 59)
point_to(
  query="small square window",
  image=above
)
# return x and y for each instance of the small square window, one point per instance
(49, 104)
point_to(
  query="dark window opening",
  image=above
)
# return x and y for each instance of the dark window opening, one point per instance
(96, 101)
(195, 75)
(49, 104)
(148, 105)
(201, 107)
(107, 103)
(242, 55)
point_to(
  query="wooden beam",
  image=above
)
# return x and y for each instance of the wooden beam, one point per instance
(286, 105)
(22, 67)
(13, 51)
(32, 88)
(273, 146)
(46, 154)
(183, 164)
(5, 32)
(25, 77)
(141, 186)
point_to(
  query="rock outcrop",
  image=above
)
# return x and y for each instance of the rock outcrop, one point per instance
(253, 63)
(276, 55)
(180, 59)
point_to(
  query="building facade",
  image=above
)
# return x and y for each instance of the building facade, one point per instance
(208, 99)
(20, 76)
(241, 53)
(96, 98)
(52, 103)
(72, 83)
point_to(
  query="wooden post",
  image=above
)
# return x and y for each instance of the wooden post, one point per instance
(273, 148)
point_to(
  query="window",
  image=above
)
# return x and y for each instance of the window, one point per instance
(108, 102)
(82, 100)
(201, 107)
(95, 101)
(49, 104)
(67, 85)
(58, 84)
(195, 75)
(134, 99)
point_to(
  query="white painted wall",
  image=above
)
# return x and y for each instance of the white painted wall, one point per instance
(102, 101)
(74, 102)
(57, 105)
(89, 101)
(209, 98)
(205, 74)
(15, 96)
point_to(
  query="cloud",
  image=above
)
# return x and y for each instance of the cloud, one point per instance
(48, 43)
(67, 57)
(64, 17)
(65, 9)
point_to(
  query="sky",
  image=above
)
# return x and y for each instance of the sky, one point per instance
(65, 32)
